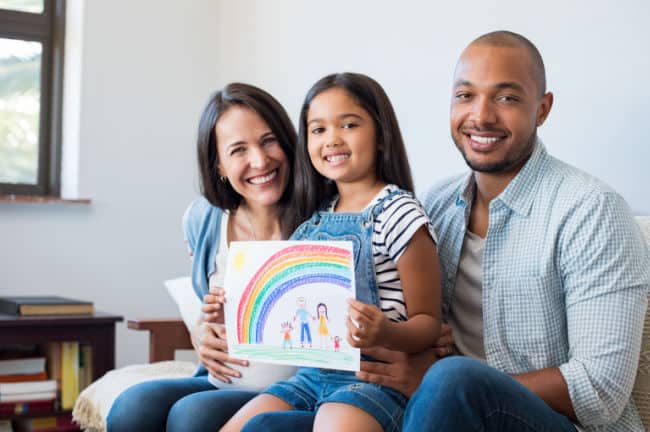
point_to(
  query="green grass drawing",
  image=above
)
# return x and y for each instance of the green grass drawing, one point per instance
(318, 357)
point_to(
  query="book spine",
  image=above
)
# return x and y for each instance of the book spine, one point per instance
(41, 376)
(69, 374)
(32, 407)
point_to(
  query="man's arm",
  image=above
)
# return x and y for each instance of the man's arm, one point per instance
(550, 386)
(603, 261)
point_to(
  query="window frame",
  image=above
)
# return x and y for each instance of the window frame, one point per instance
(48, 28)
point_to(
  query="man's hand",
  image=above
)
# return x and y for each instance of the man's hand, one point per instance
(401, 371)
(445, 344)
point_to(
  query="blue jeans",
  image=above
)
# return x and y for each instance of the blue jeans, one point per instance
(463, 394)
(311, 387)
(181, 404)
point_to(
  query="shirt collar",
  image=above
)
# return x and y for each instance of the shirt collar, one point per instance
(520, 192)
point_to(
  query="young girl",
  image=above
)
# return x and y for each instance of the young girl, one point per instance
(352, 172)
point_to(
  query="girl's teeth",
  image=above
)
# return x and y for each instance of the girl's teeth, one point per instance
(484, 140)
(336, 158)
(263, 179)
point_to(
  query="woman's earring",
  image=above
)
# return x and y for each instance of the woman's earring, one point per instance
(223, 179)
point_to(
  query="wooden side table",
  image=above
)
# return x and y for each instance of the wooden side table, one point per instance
(97, 330)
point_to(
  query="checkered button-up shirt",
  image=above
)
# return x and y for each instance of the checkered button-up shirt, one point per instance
(565, 282)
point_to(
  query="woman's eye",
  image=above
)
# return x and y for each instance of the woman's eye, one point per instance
(269, 140)
(237, 150)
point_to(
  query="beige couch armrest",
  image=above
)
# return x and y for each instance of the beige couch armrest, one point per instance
(166, 335)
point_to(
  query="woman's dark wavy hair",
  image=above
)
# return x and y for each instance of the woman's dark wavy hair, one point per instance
(311, 188)
(221, 194)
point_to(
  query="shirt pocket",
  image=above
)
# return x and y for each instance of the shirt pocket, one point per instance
(533, 319)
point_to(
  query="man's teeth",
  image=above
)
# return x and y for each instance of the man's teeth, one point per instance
(484, 140)
(336, 158)
(263, 179)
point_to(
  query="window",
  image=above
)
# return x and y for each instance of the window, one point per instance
(31, 79)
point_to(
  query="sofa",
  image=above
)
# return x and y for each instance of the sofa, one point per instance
(168, 335)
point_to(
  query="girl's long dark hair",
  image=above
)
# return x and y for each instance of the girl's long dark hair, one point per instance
(311, 188)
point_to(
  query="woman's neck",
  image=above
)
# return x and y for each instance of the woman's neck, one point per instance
(354, 197)
(257, 222)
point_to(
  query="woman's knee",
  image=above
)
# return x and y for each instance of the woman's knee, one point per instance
(135, 409)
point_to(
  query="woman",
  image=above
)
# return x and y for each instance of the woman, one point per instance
(246, 145)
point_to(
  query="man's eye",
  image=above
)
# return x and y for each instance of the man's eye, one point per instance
(508, 99)
(463, 96)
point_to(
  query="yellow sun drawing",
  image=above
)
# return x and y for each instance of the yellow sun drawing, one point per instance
(239, 260)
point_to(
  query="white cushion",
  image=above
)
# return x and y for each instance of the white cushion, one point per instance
(94, 403)
(189, 305)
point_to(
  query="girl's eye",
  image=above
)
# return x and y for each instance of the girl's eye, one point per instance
(318, 130)
(350, 125)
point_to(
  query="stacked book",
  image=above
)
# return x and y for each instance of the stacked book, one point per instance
(52, 305)
(24, 379)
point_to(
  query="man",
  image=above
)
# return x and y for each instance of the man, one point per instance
(545, 273)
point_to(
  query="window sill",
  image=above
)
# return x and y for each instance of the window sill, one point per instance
(43, 199)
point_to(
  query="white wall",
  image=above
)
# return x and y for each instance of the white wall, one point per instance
(147, 68)
(149, 65)
(597, 56)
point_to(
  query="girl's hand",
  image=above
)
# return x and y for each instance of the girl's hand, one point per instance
(212, 307)
(366, 324)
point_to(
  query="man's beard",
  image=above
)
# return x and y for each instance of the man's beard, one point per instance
(512, 159)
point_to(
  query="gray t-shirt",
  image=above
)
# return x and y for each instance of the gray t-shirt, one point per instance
(466, 317)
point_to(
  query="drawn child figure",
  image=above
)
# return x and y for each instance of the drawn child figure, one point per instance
(337, 343)
(351, 170)
(286, 330)
(323, 331)
(304, 316)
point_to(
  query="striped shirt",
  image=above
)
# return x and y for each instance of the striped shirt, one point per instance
(393, 229)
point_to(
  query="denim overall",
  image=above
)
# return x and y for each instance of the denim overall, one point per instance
(311, 387)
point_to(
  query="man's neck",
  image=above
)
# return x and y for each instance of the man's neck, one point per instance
(488, 187)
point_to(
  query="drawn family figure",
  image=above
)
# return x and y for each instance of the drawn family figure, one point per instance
(323, 331)
(337, 343)
(304, 316)
(286, 329)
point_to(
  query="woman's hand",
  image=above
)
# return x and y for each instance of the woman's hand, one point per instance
(212, 307)
(366, 324)
(212, 349)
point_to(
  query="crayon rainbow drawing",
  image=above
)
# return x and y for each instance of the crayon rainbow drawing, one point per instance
(263, 282)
